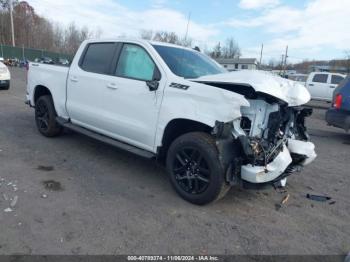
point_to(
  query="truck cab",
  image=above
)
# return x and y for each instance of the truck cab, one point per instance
(321, 85)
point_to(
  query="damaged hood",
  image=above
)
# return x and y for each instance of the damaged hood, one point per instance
(289, 91)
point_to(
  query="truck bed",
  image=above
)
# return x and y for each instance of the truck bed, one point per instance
(53, 77)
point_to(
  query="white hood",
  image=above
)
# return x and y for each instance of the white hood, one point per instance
(289, 91)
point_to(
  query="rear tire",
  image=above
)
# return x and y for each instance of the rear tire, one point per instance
(195, 170)
(45, 117)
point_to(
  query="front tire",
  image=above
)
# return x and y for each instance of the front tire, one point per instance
(45, 117)
(195, 170)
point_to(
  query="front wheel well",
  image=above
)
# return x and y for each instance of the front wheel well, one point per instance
(176, 128)
(40, 91)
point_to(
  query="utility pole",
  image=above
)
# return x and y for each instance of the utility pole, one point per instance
(285, 61)
(282, 61)
(12, 27)
(261, 54)
(188, 25)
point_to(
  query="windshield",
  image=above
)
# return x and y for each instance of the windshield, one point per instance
(188, 63)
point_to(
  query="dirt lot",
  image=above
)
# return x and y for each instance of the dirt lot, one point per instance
(112, 202)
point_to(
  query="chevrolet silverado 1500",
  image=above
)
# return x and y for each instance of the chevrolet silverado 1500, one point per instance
(212, 129)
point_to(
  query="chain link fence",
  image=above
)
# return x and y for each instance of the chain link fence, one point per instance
(22, 53)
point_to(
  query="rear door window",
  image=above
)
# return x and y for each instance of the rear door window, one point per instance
(336, 79)
(98, 58)
(320, 78)
(135, 63)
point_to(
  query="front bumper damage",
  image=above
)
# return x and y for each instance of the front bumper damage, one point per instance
(274, 145)
(279, 166)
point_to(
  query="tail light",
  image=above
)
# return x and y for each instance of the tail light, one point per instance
(338, 101)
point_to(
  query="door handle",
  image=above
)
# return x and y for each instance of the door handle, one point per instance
(311, 84)
(74, 79)
(332, 86)
(112, 86)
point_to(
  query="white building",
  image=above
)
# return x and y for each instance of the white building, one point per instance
(232, 64)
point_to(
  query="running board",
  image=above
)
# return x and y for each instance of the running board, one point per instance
(104, 139)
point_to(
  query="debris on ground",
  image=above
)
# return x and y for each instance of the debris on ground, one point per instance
(43, 196)
(8, 210)
(14, 201)
(52, 185)
(285, 199)
(45, 168)
(332, 202)
(318, 197)
(6, 198)
(283, 202)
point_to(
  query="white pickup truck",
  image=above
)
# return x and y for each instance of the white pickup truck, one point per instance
(211, 128)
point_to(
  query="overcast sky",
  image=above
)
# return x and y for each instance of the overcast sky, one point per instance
(315, 29)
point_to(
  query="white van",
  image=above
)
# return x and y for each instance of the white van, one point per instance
(321, 85)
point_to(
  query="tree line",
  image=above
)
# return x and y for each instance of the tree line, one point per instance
(35, 31)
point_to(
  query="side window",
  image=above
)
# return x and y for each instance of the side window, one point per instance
(336, 79)
(320, 78)
(98, 58)
(134, 62)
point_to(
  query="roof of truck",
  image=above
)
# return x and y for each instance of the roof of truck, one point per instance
(122, 39)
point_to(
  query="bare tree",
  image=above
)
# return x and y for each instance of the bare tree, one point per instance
(217, 52)
(347, 60)
(167, 37)
(231, 49)
(34, 31)
(146, 34)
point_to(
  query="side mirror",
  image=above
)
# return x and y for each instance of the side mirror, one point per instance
(152, 85)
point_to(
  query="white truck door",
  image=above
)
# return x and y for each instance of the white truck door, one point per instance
(136, 104)
(318, 86)
(90, 87)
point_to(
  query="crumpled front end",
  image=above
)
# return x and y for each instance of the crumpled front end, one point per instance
(273, 141)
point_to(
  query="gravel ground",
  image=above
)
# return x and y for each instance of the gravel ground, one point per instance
(79, 196)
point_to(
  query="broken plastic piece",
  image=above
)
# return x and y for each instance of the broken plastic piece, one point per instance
(318, 198)
(7, 210)
(285, 199)
(14, 201)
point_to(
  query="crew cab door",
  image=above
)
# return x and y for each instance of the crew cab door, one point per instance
(123, 108)
(89, 83)
(138, 96)
(318, 86)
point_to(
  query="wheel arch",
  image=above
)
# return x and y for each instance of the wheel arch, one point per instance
(39, 91)
(176, 128)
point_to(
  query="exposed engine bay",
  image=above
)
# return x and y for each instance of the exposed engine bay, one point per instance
(273, 140)
(268, 127)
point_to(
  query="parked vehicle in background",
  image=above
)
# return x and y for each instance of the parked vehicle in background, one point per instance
(339, 114)
(300, 78)
(46, 60)
(321, 85)
(212, 128)
(5, 77)
(12, 62)
(2, 60)
(23, 63)
(63, 61)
